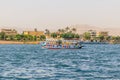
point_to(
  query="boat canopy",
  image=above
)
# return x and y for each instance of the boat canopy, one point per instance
(63, 40)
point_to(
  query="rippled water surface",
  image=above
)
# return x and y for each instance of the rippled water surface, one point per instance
(30, 62)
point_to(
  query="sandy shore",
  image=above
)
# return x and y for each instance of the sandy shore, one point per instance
(19, 42)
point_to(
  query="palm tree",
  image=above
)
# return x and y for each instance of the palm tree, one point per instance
(59, 30)
(74, 30)
(67, 29)
(47, 32)
(62, 30)
(70, 31)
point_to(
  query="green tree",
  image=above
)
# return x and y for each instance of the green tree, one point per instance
(2, 36)
(8, 37)
(35, 38)
(108, 38)
(101, 37)
(116, 38)
(86, 36)
(67, 35)
(30, 37)
(76, 36)
(18, 37)
(42, 37)
(54, 35)
(25, 38)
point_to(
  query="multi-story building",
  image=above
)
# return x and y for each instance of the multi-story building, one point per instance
(34, 33)
(9, 31)
(103, 33)
(92, 33)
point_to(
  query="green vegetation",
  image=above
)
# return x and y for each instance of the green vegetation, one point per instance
(2, 36)
(21, 37)
(101, 38)
(54, 35)
(42, 38)
(69, 35)
(66, 33)
(115, 39)
(86, 36)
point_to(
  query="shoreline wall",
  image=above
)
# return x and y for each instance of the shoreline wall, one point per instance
(19, 42)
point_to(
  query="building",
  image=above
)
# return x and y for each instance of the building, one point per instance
(103, 33)
(33, 33)
(92, 33)
(9, 31)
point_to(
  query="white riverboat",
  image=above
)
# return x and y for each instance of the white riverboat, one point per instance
(61, 44)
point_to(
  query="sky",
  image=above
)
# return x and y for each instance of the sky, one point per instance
(52, 14)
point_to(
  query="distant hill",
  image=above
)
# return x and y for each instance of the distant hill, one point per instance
(114, 31)
(83, 28)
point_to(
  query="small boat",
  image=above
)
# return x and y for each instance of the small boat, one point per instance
(61, 45)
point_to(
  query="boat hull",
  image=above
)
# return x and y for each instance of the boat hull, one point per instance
(62, 48)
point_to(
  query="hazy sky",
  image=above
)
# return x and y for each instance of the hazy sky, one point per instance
(28, 14)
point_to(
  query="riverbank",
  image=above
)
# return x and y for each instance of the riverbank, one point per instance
(19, 42)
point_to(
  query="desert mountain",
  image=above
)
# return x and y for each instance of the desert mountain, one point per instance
(83, 28)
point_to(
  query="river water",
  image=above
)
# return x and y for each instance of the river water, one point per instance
(31, 62)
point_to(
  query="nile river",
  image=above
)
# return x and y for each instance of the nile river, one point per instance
(30, 62)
